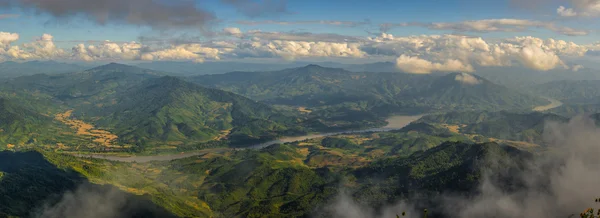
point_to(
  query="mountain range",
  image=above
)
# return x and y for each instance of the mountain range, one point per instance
(138, 109)
(316, 86)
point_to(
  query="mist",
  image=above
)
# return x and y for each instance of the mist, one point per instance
(95, 201)
(559, 182)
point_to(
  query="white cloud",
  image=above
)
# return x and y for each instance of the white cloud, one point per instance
(42, 48)
(7, 38)
(566, 12)
(194, 52)
(107, 51)
(233, 31)
(415, 54)
(581, 8)
(420, 66)
(467, 79)
(493, 25)
(538, 59)
(531, 52)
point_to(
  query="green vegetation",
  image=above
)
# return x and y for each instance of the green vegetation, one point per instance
(295, 179)
(571, 91)
(123, 108)
(22, 127)
(120, 108)
(171, 110)
(378, 93)
(525, 127)
(30, 182)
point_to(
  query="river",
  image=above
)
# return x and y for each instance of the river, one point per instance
(553, 104)
(394, 123)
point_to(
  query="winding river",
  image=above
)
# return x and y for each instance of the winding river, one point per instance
(553, 104)
(394, 123)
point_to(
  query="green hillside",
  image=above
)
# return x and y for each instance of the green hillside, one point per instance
(286, 180)
(30, 186)
(571, 91)
(170, 110)
(527, 127)
(381, 93)
(127, 106)
(20, 126)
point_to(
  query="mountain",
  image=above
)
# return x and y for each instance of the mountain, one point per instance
(168, 109)
(20, 126)
(11, 69)
(299, 181)
(316, 86)
(526, 127)
(524, 78)
(136, 106)
(474, 92)
(571, 91)
(31, 186)
(192, 69)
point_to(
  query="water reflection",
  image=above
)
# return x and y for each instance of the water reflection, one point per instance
(394, 123)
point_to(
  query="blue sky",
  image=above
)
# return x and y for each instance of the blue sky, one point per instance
(31, 25)
(313, 29)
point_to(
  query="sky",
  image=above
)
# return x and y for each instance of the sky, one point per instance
(421, 36)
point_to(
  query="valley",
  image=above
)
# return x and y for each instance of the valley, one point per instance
(256, 144)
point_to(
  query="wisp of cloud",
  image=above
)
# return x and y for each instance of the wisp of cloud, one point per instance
(560, 182)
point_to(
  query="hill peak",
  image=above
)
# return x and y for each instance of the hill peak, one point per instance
(314, 68)
(114, 66)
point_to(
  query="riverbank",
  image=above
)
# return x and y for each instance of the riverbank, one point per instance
(394, 123)
(553, 104)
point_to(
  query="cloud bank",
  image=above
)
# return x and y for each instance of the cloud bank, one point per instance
(413, 54)
(491, 25)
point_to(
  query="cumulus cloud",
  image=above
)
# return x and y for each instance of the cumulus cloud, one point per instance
(581, 8)
(420, 66)
(41, 48)
(491, 25)
(531, 52)
(233, 31)
(107, 51)
(467, 79)
(566, 12)
(301, 36)
(194, 52)
(294, 49)
(254, 8)
(416, 54)
(136, 51)
(153, 13)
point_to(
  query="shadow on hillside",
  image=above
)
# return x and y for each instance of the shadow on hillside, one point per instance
(30, 186)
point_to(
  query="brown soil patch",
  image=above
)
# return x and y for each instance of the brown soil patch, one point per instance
(304, 110)
(452, 128)
(223, 135)
(99, 136)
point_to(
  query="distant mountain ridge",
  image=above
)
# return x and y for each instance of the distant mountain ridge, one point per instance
(11, 69)
(315, 86)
